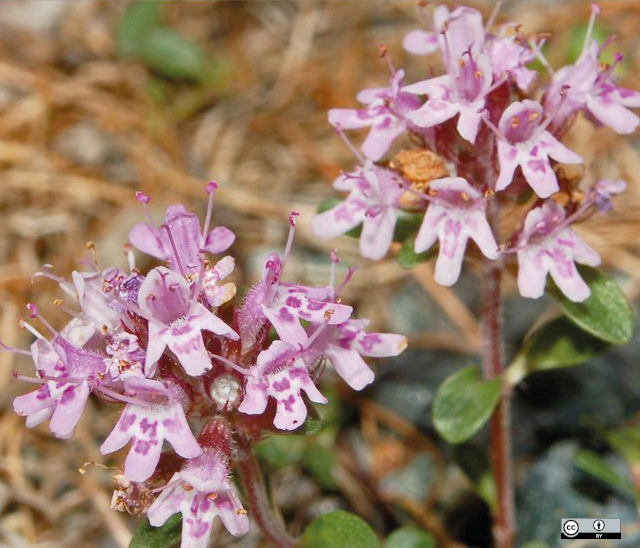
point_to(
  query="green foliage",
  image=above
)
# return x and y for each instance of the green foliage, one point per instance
(407, 225)
(558, 343)
(165, 536)
(410, 537)
(339, 529)
(474, 462)
(606, 314)
(463, 404)
(319, 461)
(594, 465)
(140, 35)
(408, 258)
(626, 442)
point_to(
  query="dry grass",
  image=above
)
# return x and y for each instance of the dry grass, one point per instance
(80, 132)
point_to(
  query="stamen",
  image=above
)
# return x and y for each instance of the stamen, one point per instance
(174, 248)
(354, 150)
(144, 200)
(493, 16)
(232, 365)
(292, 230)
(131, 257)
(211, 188)
(125, 399)
(24, 325)
(58, 304)
(94, 253)
(65, 285)
(536, 49)
(7, 348)
(595, 11)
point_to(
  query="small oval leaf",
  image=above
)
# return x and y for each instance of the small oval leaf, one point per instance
(596, 466)
(606, 314)
(463, 404)
(410, 537)
(339, 529)
(558, 343)
(165, 536)
(175, 56)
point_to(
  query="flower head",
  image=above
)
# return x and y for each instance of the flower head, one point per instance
(201, 491)
(457, 213)
(548, 246)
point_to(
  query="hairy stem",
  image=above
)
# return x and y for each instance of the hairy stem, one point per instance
(258, 501)
(504, 528)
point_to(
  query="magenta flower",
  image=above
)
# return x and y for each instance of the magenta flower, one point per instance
(345, 344)
(384, 113)
(461, 92)
(281, 374)
(525, 142)
(71, 373)
(372, 202)
(177, 320)
(547, 245)
(457, 213)
(509, 57)
(157, 417)
(589, 85)
(201, 491)
(179, 240)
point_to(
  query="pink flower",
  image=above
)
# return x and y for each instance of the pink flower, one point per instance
(71, 374)
(372, 202)
(157, 417)
(201, 491)
(461, 92)
(589, 85)
(177, 320)
(345, 344)
(179, 239)
(457, 213)
(280, 373)
(548, 246)
(525, 142)
(384, 113)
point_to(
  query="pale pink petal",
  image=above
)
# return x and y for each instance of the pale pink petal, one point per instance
(349, 118)
(204, 320)
(428, 233)
(219, 240)
(232, 514)
(420, 42)
(380, 345)
(255, 398)
(453, 242)
(532, 274)
(377, 234)
(540, 176)
(168, 503)
(69, 409)
(469, 121)
(350, 366)
(340, 219)
(147, 240)
(509, 161)
(188, 346)
(381, 136)
(178, 433)
(479, 231)
(613, 114)
(558, 151)
(434, 112)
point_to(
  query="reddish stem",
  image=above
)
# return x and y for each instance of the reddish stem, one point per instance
(258, 501)
(504, 528)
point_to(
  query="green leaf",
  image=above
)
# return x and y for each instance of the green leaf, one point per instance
(408, 258)
(463, 404)
(410, 537)
(558, 343)
(319, 461)
(407, 224)
(135, 25)
(281, 450)
(594, 465)
(626, 442)
(474, 462)
(173, 55)
(606, 314)
(339, 529)
(165, 536)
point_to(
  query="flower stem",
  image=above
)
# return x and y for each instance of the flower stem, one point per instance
(258, 501)
(504, 527)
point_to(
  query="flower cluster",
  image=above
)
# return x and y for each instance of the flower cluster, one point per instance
(487, 133)
(191, 365)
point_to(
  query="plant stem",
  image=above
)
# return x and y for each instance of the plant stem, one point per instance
(258, 501)
(504, 527)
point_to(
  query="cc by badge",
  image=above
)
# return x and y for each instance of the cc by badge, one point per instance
(570, 528)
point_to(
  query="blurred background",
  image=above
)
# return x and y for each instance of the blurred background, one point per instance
(100, 99)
